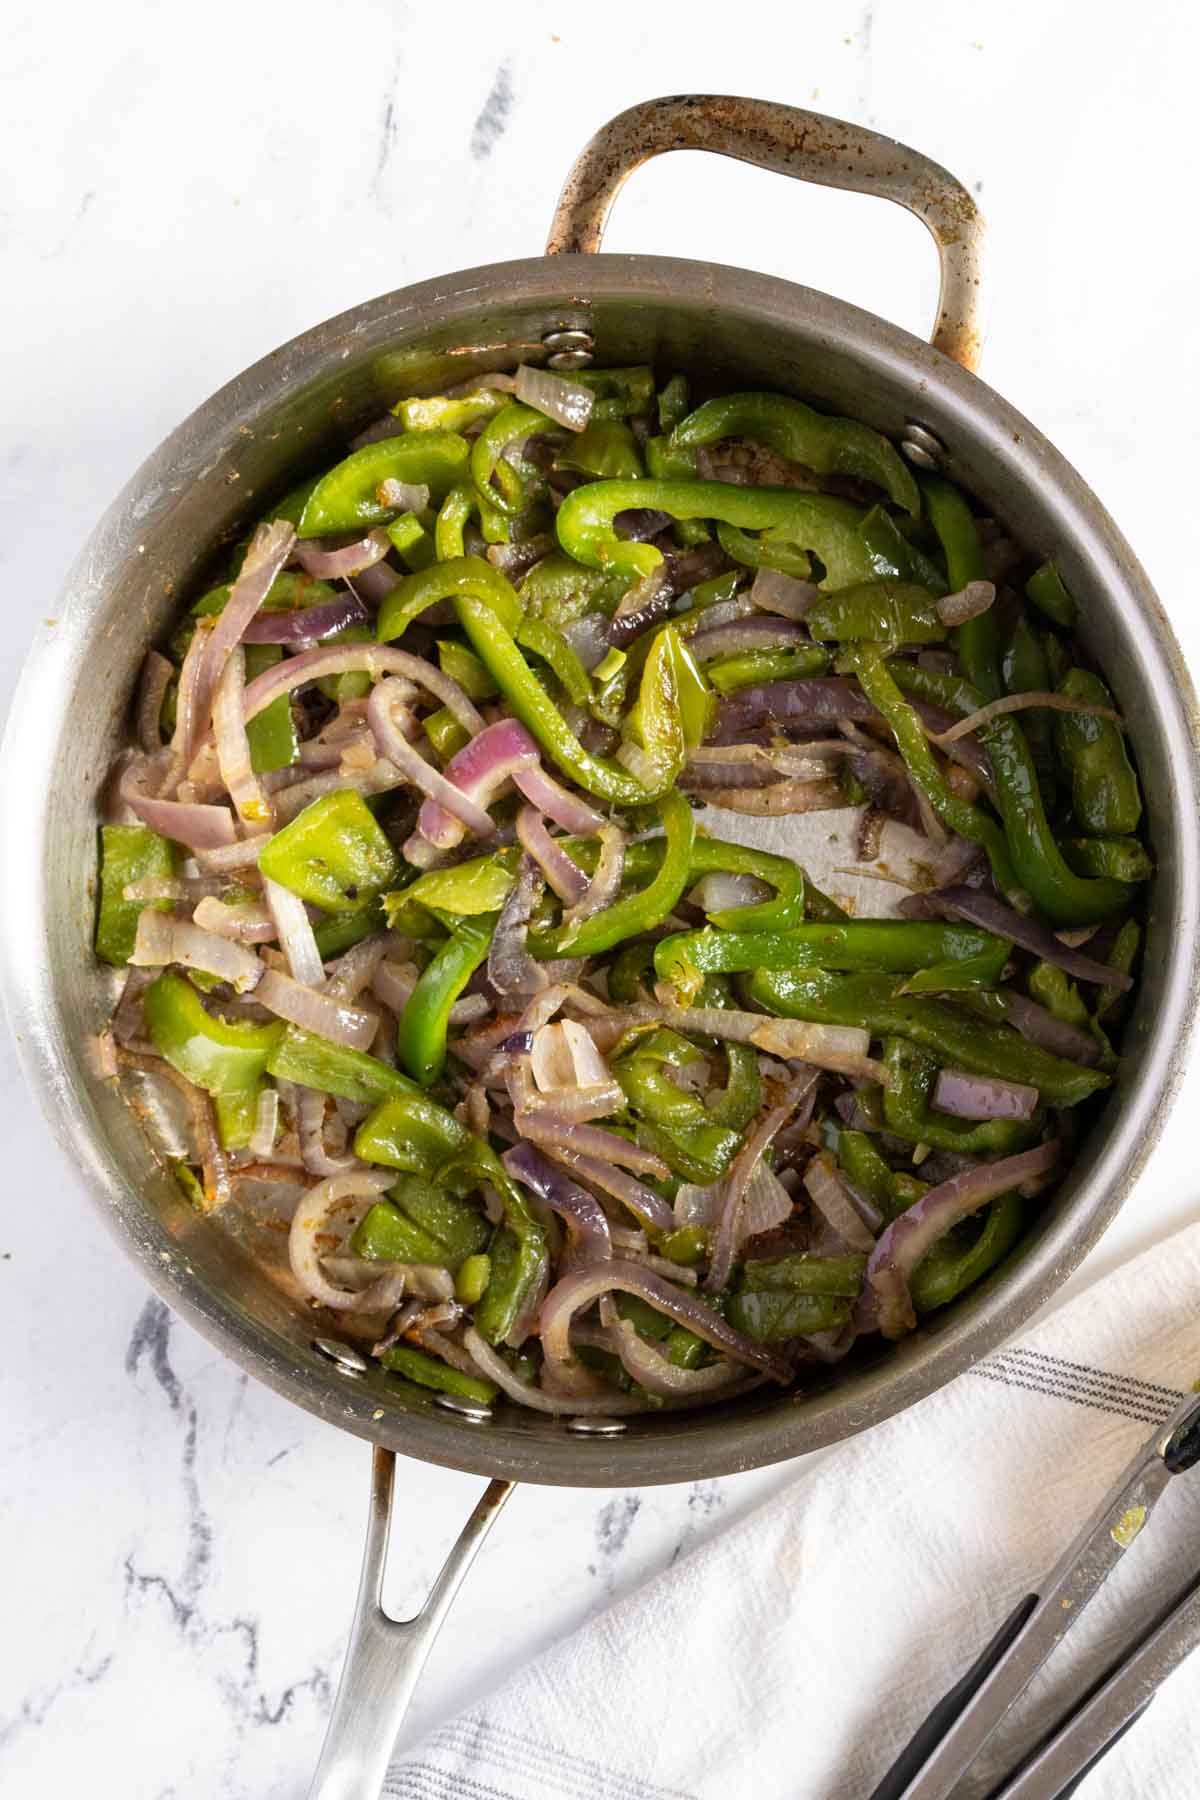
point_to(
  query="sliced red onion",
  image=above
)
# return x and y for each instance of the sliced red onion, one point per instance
(373, 586)
(728, 1227)
(380, 778)
(187, 822)
(564, 809)
(821, 697)
(720, 892)
(393, 983)
(375, 660)
(480, 770)
(782, 799)
(512, 971)
(308, 1225)
(967, 603)
(158, 672)
(294, 932)
(387, 427)
(832, 1197)
(404, 496)
(161, 938)
(246, 923)
(424, 1281)
(588, 638)
(233, 858)
(266, 1124)
(310, 1124)
(588, 1239)
(570, 1295)
(356, 968)
(233, 746)
(775, 592)
(604, 886)
(638, 524)
(300, 628)
(563, 875)
(840, 1047)
(560, 1109)
(1010, 703)
(696, 1204)
(768, 1204)
(1041, 1027)
(978, 908)
(591, 1140)
(642, 1201)
(968, 1096)
(567, 402)
(213, 1163)
(885, 1303)
(515, 560)
(489, 1362)
(269, 550)
(657, 1375)
(754, 633)
(422, 775)
(321, 1013)
(350, 559)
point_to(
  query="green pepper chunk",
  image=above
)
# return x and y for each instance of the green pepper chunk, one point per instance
(465, 889)
(619, 393)
(966, 1253)
(909, 1112)
(673, 403)
(333, 854)
(410, 1133)
(472, 1279)
(841, 1276)
(273, 738)
(773, 1315)
(1105, 797)
(977, 640)
(729, 673)
(496, 480)
(338, 931)
(432, 1372)
(606, 449)
(128, 853)
(774, 549)
(890, 613)
(385, 1234)
(828, 446)
(687, 1246)
(347, 498)
(637, 912)
(1026, 669)
(445, 733)
(893, 557)
(560, 590)
(1048, 593)
(673, 1123)
(222, 1056)
(894, 944)
(461, 575)
(312, 1061)
(445, 412)
(960, 1040)
(864, 1167)
(462, 665)
(236, 1115)
(548, 642)
(421, 1037)
(1109, 858)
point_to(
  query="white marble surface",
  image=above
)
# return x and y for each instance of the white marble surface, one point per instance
(184, 188)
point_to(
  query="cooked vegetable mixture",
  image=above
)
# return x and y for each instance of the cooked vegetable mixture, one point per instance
(554, 1091)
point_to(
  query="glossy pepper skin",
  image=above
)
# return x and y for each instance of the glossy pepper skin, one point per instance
(1105, 797)
(496, 480)
(892, 1191)
(772, 1315)
(674, 1124)
(1026, 669)
(661, 724)
(333, 854)
(221, 1056)
(817, 522)
(128, 853)
(977, 640)
(1037, 862)
(884, 612)
(909, 1113)
(421, 1033)
(964, 1256)
(312, 1061)
(606, 449)
(1049, 594)
(641, 911)
(729, 673)
(432, 1372)
(828, 446)
(892, 944)
(346, 499)
(960, 1040)
(461, 575)
(273, 738)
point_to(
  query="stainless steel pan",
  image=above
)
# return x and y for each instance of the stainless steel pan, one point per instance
(261, 433)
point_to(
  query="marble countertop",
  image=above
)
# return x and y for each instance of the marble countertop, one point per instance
(185, 189)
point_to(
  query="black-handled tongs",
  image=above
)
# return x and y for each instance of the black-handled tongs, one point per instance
(946, 1745)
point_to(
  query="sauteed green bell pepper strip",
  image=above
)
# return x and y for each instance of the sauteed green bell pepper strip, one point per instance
(776, 550)
(658, 703)
(421, 1034)
(1037, 863)
(772, 1315)
(804, 1274)
(884, 612)
(977, 640)
(222, 1056)
(619, 393)
(1048, 593)
(333, 854)
(882, 944)
(890, 1190)
(742, 1097)
(1105, 797)
(1025, 668)
(909, 1113)
(950, 1266)
(560, 590)
(461, 575)
(431, 1372)
(729, 673)
(347, 498)
(547, 641)
(675, 1125)
(495, 478)
(128, 853)
(828, 446)
(817, 522)
(463, 503)
(311, 1061)
(641, 911)
(606, 449)
(449, 412)
(273, 738)
(955, 1037)
(1123, 859)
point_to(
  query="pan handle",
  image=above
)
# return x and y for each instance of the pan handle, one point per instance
(385, 1656)
(808, 146)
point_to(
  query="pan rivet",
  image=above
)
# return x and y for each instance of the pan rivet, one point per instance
(466, 1409)
(596, 1427)
(569, 348)
(348, 1360)
(921, 446)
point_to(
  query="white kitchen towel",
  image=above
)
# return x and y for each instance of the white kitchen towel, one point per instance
(791, 1657)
